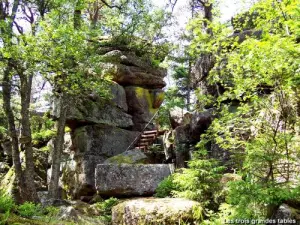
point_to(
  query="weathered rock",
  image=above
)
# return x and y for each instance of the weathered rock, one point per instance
(86, 111)
(43, 196)
(129, 179)
(95, 110)
(119, 96)
(7, 147)
(142, 105)
(68, 213)
(40, 158)
(135, 156)
(55, 202)
(168, 211)
(102, 140)
(222, 155)
(286, 214)
(182, 134)
(199, 123)
(92, 145)
(128, 69)
(179, 117)
(182, 145)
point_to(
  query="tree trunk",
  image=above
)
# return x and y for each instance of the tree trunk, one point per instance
(26, 139)
(58, 148)
(20, 180)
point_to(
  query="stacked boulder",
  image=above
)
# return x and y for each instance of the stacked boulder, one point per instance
(102, 129)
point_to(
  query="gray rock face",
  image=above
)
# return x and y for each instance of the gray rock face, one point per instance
(142, 105)
(128, 69)
(68, 213)
(119, 96)
(129, 179)
(94, 110)
(92, 145)
(285, 214)
(200, 122)
(179, 117)
(167, 211)
(102, 140)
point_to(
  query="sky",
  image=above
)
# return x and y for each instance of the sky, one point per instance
(228, 8)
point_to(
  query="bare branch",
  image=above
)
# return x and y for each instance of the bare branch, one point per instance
(111, 6)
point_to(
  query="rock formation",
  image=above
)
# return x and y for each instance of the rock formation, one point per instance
(156, 211)
(102, 129)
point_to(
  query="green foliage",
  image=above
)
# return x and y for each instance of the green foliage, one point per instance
(165, 188)
(106, 206)
(6, 202)
(200, 182)
(172, 99)
(29, 209)
(43, 136)
(260, 75)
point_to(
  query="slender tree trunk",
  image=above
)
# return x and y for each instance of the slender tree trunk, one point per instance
(188, 95)
(13, 133)
(58, 148)
(26, 139)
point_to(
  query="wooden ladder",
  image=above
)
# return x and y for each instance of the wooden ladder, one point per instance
(146, 139)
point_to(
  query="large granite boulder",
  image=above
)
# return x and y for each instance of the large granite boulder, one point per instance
(143, 104)
(128, 69)
(129, 179)
(168, 211)
(102, 140)
(95, 110)
(92, 145)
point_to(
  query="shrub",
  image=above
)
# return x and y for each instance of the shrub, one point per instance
(165, 188)
(200, 182)
(106, 206)
(29, 209)
(6, 202)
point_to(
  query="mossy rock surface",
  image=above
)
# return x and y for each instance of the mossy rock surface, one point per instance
(146, 211)
(129, 157)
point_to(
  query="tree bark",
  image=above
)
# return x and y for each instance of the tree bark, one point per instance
(26, 139)
(20, 179)
(58, 148)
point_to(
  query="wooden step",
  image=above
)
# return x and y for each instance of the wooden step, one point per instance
(150, 132)
(148, 136)
(142, 148)
(147, 139)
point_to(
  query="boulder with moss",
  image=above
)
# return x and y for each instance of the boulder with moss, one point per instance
(143, 104)
(135, 156)
(129, 179)
(168, 211)
(92, 145)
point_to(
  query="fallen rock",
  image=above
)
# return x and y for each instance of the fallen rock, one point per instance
(168, 211)
(135, 156)
(129, 179)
